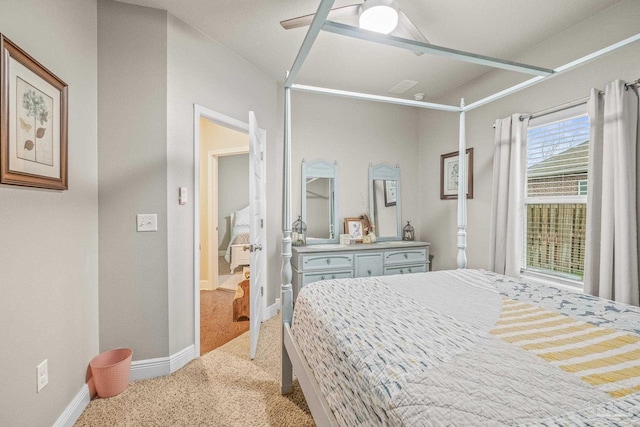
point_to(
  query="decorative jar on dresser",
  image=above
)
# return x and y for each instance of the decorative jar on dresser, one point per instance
(333, 261)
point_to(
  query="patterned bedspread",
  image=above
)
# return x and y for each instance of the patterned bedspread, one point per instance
(469, 347)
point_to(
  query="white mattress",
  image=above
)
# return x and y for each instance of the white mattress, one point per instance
(431, 349)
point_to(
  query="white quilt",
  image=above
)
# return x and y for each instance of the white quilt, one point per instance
(452, 348)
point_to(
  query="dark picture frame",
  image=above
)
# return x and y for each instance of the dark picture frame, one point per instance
(390, 192)
(449, 175)
(33, 121)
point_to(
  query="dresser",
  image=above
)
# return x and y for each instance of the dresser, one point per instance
(332, 261)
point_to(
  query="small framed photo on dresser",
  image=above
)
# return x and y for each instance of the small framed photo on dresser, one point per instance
(353, 227)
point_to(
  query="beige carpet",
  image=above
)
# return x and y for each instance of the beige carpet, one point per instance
(230, 283)
(222, 388)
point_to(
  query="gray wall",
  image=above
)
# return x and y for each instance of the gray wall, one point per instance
(49, 239)
(233, 192)
(361, 132)
(439, 131)
(132, 129)
(204, 72)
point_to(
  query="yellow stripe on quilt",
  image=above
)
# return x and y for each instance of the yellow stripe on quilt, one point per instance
(572, 340)
(537, 316)
(515, 307)
(624, 391)
(559, 331)
(590, 349)
(524, 312)
(556, 320)
(630, 356)
(612, 376)
(605, 358)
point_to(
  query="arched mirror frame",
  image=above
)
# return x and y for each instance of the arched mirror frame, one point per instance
(320, 168)
(386, 172)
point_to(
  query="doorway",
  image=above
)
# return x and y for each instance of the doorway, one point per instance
(223, 217)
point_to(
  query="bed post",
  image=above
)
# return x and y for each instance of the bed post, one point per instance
(462, 192)
(286, 293)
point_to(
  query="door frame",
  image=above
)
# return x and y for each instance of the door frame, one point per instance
(202, 112)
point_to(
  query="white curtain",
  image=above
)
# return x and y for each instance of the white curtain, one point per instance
(509, 165)
(611, 255)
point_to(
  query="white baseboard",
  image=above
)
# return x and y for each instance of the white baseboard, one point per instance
(158, 367)
(73, 411)
(182, 357)
(272, 310)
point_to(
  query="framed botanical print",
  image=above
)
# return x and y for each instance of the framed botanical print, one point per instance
(449, 164)
(33, 121)
(353, 227)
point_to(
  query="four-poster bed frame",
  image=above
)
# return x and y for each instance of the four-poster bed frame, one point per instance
(291, 355)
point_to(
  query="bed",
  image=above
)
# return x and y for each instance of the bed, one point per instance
(407, 350)
(468, 347)
(235, 254)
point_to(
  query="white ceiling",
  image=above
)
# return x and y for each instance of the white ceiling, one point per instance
(498, 28)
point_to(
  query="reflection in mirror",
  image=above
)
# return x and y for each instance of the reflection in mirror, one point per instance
(319, 207)
(384, 201)
(318, 199)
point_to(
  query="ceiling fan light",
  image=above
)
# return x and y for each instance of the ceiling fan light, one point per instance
(380, 16)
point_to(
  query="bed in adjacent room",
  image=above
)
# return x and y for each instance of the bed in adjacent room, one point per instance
(468, 347)
(235, 254)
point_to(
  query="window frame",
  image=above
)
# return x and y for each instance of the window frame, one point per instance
(541, 275)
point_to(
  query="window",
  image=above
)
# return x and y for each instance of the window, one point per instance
(556, 194)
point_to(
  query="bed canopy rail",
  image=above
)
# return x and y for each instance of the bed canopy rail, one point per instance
(320, 23)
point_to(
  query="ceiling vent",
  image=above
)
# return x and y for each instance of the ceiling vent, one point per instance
(402, 87)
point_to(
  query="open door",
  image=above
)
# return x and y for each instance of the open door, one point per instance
(257, 234)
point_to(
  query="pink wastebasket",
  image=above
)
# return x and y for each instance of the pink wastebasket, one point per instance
(110, 371)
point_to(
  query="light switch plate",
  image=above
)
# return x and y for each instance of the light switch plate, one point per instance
(182, 196)
(147, 222)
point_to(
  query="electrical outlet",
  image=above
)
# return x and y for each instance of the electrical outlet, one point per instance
(42, 373)
(147, 222)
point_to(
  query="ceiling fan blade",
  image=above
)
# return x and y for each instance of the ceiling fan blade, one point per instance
(406, 29)
(336, 13)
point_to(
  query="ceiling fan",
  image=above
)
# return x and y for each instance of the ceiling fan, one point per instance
(357, 15)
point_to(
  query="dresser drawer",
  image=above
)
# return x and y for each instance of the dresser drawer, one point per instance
(405, 269)
(314, 277)
(405, 256)
(368, 265)
(327, 262)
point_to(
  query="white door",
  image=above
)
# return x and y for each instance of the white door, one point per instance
(257, 210)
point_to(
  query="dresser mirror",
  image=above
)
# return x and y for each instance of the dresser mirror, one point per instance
(319, 210)
(385, 202)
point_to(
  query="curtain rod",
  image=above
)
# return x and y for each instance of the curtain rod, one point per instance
(555, 109)
(566, 105)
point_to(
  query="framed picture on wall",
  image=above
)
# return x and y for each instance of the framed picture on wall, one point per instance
(449, 164)
(353, 227)
(390, 192)
(33, 121)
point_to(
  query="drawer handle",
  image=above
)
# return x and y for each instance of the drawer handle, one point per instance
(409, 269)
(406, 255)
(369, 271)
(328, 260)
(321, 277)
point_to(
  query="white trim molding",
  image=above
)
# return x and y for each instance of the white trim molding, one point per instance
(161, 366)
(73, 411)
(272, 310)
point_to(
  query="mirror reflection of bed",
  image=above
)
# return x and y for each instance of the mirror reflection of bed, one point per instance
(224, 231)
